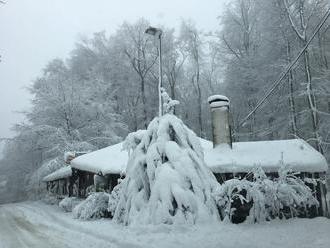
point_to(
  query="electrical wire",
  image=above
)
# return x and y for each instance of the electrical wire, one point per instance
(278, 81)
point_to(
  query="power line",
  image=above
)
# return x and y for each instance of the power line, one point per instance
(289, 67)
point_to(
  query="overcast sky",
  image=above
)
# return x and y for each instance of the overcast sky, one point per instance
(32, 32)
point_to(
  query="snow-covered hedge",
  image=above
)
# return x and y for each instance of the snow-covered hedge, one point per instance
(262, 198)
(68, 203)
(94, 207)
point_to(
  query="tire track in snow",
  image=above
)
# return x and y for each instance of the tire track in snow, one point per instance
(16, 231)
(60, 225)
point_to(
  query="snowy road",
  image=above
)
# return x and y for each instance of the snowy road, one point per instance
(16, 231)
(34, 225)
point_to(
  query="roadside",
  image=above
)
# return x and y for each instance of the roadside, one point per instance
(34, 224)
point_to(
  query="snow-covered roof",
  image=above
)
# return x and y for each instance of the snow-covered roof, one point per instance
(295, 153)
(243, 156)
(109, 160)
(63, 172)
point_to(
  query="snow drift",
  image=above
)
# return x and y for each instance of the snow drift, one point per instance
(68, 203)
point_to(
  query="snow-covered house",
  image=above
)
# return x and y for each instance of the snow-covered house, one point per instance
(108, 163)
(227, 159)
(64, 181)
(104, 166)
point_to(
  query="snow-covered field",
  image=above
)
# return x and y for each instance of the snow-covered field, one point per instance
(34, 224)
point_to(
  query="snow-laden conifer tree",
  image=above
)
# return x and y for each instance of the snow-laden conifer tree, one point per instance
(167, 180)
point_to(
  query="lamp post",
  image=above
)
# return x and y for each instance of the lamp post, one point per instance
(158, 33)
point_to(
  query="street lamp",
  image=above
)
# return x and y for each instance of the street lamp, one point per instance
(158, 33)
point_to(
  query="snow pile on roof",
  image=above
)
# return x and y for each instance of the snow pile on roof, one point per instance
(269, 155)
(295, 153)
(68, 155)
(63, 172)
(113, 159)
(109, 160)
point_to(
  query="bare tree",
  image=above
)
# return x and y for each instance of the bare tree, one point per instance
(299, 22)
(173, 60)
(140, 50)
(193, 46)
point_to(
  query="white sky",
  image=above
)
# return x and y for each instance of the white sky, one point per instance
(32, 32)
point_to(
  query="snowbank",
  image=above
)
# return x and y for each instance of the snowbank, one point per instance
(68, 203)
(51, 199)
(295, 153)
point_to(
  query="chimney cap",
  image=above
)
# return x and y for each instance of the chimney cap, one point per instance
(218, 101)
(216, 98)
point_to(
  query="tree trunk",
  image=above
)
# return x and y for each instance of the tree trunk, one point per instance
(172, 89)
(312, 103)
(144, 116)
(200, 119)
(323, 58)
(290, 77)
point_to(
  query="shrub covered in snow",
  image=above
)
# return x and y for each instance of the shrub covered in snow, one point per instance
(262, 198)
(166, 180)
(114, 199)
(68, 203)
(94, 207)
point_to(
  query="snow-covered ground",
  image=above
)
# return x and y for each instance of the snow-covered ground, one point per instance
(34, 224)
(2, 146)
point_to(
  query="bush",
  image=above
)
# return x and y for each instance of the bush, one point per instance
(68, 203)
(262, 198)
(114, 199)
(94, 207)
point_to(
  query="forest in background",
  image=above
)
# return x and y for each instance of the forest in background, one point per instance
(107, 87)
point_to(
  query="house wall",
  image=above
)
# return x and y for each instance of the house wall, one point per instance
(84, 179)
(111, 181)
(59, 187)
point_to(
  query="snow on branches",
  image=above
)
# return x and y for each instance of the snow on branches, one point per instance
(263, 198)
(166, 180)
(168, 103)
(94, 207)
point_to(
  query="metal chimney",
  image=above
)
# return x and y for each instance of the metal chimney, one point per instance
(221, 129)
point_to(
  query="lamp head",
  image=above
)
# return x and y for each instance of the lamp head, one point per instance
(154, 31)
